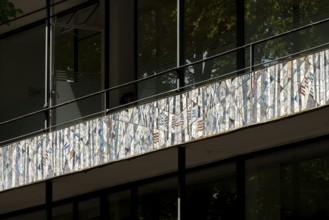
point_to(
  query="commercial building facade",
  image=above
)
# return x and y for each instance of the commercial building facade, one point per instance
(164, 109)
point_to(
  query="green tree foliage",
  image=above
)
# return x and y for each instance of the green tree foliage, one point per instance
(156, 37)
(210, 28)
(8, 11)
(264, 19)
(78, 51)
(289, 189)
(209, 23)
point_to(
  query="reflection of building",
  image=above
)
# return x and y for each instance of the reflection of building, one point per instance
(241, 135)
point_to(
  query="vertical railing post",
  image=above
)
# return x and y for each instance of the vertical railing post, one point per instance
(48, 66)
(251, 57)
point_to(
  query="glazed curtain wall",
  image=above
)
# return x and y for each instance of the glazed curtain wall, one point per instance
(97, 45)
(22, 81)
(214, 26)
(278, 91)
(78, 49)
(36, 74)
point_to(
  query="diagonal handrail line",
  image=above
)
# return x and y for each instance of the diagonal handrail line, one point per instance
(32, 12)
(40, 10)
(113, 109)
(175, 69)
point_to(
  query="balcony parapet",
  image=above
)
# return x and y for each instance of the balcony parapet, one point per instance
(264, 95)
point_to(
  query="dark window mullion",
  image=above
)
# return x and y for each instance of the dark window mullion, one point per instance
(240, 35)
(241, 188)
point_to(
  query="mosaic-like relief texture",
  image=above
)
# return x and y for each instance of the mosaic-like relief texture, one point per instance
(276, 91)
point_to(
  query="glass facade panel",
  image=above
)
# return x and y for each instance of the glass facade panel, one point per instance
(39, 215)
(15, 13)
(211, 194)
(62, 5)
(156, 44)
(63, 212)
(156, 36)
(268, 18)
(288, 185)
(120, 205)
(157, 85)
(158, 200)
(210, 28)
(22, 81)
(284, 185)
(78, 69)
(89, 209)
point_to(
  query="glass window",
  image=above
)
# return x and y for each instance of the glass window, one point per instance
(22, 81)
(156, 36)
(156, 45)
(39, 215)
(158, 200)
(89, 209)
(120, 205)
(211, 194)
(60, 5)
(268, 18)
(63, 212)
(122, 52)
(25, 12)
(78, 54)
(210, 28)
(291, 184)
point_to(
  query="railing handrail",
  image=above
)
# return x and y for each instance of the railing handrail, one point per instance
(223, 76)
(174, 69)
(40, 10)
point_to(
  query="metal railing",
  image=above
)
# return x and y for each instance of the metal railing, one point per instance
(37, 11)
(178, 70)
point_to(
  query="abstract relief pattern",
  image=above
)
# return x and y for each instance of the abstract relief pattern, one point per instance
(276, 91)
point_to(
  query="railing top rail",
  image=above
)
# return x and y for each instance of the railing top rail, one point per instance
(176, 70)
(40, 10)
(113, 109)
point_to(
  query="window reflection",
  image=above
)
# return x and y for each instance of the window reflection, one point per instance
(89, 209)
(22, 84)
(120, 205)
(211, 194)
(63, 212)
(78, 52)
(288, 185)
(39, 215)
(268, 18)
(14, 9)
(210, 28)
(156, 43)
(156, 36)
(158, 201)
